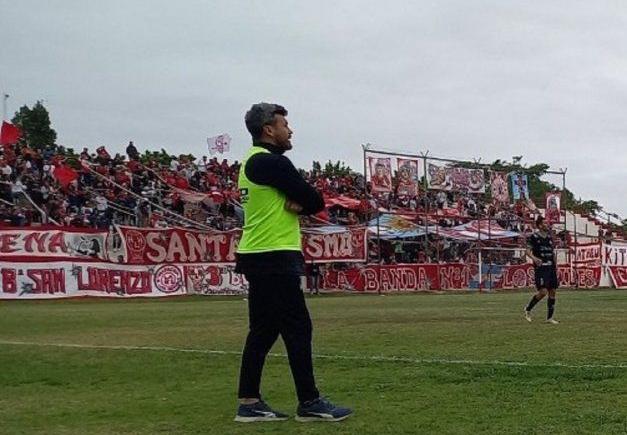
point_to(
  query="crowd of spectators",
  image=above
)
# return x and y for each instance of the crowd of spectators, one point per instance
(95, 189)
(444, 208)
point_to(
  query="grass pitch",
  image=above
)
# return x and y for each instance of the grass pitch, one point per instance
(454, 364)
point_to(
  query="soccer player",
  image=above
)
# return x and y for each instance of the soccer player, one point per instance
(541, 251)
(269, 255)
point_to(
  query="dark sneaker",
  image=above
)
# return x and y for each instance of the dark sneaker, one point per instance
(321, 409)
(259, 411)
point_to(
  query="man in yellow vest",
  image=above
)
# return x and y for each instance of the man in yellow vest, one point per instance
(269, 254)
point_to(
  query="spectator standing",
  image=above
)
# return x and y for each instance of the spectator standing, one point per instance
(132, 152)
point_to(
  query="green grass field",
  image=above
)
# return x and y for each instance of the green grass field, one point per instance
(444, 366)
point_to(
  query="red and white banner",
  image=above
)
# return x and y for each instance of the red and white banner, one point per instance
(614, 257)
(195, 197)
(619, 276)
(585, 276)
(343, 244)
(380, 174)
(50, 262)
(177, 245)
(342, 201)
(51, 242)
(456, 179)
(453, 276)
(407, 177)
(523, 276)
(614, 254)
(400, 277)
(587, 253)
(553, 210)
(180, 245)
(27, 280)
(213, 279)
(476, 230)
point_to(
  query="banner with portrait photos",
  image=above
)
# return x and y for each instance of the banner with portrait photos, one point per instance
(520, 187)
(455, 179)
(553, 211)
(499, 187)
(407, 177)
(380, 174)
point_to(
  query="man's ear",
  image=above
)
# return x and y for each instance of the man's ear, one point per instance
(268, 130)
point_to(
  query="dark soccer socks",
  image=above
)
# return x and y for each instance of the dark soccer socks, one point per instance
(550, 304)
(532, 303)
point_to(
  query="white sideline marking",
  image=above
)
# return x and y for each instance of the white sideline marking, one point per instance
(380, 358)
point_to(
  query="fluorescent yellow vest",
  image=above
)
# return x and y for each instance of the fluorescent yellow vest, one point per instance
(267, 225)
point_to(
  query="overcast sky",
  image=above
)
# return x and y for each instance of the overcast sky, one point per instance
(462, 79)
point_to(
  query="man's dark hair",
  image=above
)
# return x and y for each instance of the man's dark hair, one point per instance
(539, 219)
(261, 114)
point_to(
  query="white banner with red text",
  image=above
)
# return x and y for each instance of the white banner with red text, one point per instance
(61, 279)
(614, 257)
(53, 243)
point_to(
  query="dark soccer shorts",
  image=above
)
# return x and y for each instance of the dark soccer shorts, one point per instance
(546, 277)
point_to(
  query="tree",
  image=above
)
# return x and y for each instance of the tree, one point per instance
(163, 157)
(538, 187)
(337, 169)
(589, 207)
(35, 126)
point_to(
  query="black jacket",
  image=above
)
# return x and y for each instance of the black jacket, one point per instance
(276, 170)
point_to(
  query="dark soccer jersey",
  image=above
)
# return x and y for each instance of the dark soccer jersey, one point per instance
(541, 247)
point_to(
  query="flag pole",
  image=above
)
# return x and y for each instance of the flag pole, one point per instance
(5, 97)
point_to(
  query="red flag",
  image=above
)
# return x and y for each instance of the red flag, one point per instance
(9, 134)
(65, 175)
